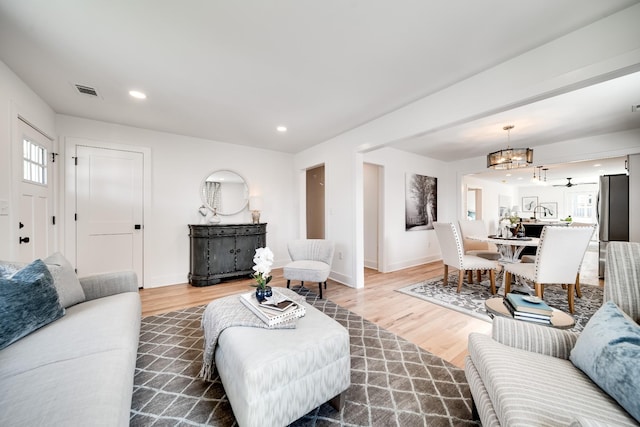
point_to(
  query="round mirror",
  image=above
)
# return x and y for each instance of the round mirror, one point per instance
(225, 192)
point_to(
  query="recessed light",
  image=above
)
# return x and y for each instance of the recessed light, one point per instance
(137, 94)
(597, 165)
(519, 178)
(281, 128)
(508, 174)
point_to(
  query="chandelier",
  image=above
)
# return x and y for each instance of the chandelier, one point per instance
(510, 158)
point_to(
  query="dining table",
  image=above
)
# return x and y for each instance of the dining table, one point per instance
(510, 249)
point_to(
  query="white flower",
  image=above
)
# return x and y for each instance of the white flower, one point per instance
(263, 260)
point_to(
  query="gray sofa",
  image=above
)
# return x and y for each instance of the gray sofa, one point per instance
(523, 373)
(77, 370)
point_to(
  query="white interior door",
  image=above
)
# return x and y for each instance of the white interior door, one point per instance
(109, 209)
(35, 208)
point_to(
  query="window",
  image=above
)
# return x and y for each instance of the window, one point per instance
(34, 164)
(582, 205)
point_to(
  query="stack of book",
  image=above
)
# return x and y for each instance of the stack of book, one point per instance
(274, 310)
(533, 310)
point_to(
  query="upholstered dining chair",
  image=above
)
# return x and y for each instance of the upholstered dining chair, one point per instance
(310, 261)
(477, 227)
(558, 260)
(453, 256)
(532, 258)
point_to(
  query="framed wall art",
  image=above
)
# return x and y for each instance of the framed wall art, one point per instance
(548, 210)
(528, 203)
(421, 202)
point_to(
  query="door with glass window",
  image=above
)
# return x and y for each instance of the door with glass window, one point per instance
(35, 208)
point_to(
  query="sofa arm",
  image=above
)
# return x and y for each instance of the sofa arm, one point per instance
(105, 284)
(535, 338)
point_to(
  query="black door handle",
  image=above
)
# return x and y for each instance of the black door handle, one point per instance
(24, 240)
(137, 227)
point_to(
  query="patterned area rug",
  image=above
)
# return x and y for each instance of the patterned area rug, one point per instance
(471, 298)
(393, 382)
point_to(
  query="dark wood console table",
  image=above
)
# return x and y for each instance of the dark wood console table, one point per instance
(222, 251)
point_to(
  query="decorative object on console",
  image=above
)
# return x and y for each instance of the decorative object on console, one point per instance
(255, 206)
(203, 211)
(214, 218)
(510, 158)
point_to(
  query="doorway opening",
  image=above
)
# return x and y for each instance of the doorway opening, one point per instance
(371, 177)
(315, 204)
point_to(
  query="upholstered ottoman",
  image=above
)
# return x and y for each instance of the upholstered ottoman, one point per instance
(272, 377)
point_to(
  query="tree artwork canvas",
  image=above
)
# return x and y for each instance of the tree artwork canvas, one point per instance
(421, 202)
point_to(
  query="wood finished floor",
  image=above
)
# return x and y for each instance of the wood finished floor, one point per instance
(441, 331)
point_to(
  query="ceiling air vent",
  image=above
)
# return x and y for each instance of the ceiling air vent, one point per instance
(86, 90)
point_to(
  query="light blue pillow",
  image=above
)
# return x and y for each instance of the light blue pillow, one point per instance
(28, 301)
(608, 351)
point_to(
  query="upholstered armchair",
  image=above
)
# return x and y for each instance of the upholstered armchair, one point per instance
(311, 261)
(528, 374)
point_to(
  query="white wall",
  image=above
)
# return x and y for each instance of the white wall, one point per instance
(179, 164)
(599, 51)
(16, 98)
(403, 248)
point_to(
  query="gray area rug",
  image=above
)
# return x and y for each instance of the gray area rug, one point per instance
(393, 382)
(472, 296)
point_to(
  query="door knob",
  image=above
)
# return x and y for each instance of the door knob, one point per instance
(24, 240)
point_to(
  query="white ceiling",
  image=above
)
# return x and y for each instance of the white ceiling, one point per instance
(234, 70)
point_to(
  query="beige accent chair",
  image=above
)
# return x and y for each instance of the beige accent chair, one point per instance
(558, 260)
(311, 261)
(453, 255)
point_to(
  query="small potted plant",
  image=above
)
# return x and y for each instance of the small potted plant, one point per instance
(263, 259)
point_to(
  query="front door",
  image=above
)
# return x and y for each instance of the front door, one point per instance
(35, 209)
(109, 209)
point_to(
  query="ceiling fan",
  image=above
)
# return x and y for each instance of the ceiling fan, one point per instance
(570, 184)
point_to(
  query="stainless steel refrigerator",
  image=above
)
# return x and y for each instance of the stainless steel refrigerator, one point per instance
(613, 213)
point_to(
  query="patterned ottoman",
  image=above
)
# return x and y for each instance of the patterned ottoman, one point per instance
(272, 377)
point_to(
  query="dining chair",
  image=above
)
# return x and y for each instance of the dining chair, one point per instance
(532, 258)
(478, 228)
(310, 261)
(453, 256)
(558, 260)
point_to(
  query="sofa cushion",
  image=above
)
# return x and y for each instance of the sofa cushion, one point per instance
(28, 301)
(608, 351)
(528, 388)
(65, 280)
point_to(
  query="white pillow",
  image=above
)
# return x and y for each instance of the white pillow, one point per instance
(65, 280)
